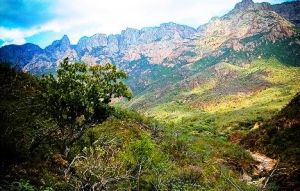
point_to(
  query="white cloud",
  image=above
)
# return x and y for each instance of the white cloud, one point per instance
(15, 36)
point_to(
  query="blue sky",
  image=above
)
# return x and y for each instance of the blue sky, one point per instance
(42, 21)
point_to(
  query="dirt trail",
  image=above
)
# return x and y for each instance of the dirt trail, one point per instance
(265, 164)
(264, 167)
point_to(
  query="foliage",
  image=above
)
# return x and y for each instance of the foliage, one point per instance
(22, 185)
(79, 95)
(98, 168)
(182, 148)
(29, 123)
(176, 157)
(146, 163)
(20, 121)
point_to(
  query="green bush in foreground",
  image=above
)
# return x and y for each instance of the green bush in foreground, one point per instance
(79, 96)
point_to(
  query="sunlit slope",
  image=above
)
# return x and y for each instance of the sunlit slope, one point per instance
(225, 94)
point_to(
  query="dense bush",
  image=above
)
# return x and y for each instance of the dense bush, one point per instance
(79, 96)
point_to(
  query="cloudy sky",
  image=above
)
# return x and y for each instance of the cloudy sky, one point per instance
(42, 21)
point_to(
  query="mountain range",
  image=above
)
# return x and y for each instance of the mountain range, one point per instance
(201, 94)
(168, 45)
(159, 57)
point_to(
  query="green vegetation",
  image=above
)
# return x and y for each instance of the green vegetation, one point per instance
(229, 96)
(122, 150)
(228, 101)
(62, 133)
(141, 154)
(227, 121)
(79, 96)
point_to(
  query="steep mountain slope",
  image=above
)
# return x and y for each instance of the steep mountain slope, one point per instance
(224, 94)
(210, 86)
(289, 10)
(20, 55)
(242, 55)
(248, 70)
(246, 20)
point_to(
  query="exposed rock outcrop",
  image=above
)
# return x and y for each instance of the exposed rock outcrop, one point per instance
(169, 45)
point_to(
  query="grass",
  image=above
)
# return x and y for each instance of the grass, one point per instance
(201, 89)
(206, 109)
(233, 94)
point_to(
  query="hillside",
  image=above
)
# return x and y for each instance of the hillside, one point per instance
(127, 150)
(209, 105)
(243, 76)
(249, 31)
(226, 93)
(279, 138)
(187, 155)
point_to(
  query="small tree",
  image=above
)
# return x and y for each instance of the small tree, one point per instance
(80, 95)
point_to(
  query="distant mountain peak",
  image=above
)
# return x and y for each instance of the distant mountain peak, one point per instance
(65, 40)
(169, 24)
(244, 4)
(169, 44)
(249, 2)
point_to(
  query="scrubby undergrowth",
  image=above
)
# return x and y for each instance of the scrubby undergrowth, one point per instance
(129, 150)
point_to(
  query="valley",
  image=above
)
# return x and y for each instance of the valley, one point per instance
(208, 108)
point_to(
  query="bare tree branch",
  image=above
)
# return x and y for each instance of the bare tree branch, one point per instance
(270, 176)
(70, 165)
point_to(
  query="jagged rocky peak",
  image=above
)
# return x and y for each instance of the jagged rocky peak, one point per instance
(88, 43)
(183, 30)
(247, 19)
(62, 44)
(172, 25)
(166, 31)
(250, 5)
(65, 41)
(244, 5)
(60, 49)
(130, 36)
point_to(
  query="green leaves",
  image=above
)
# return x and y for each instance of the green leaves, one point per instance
(80, 94)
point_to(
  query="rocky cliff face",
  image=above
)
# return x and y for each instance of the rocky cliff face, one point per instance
(155, 43)
(246, 20)
(169, 45)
